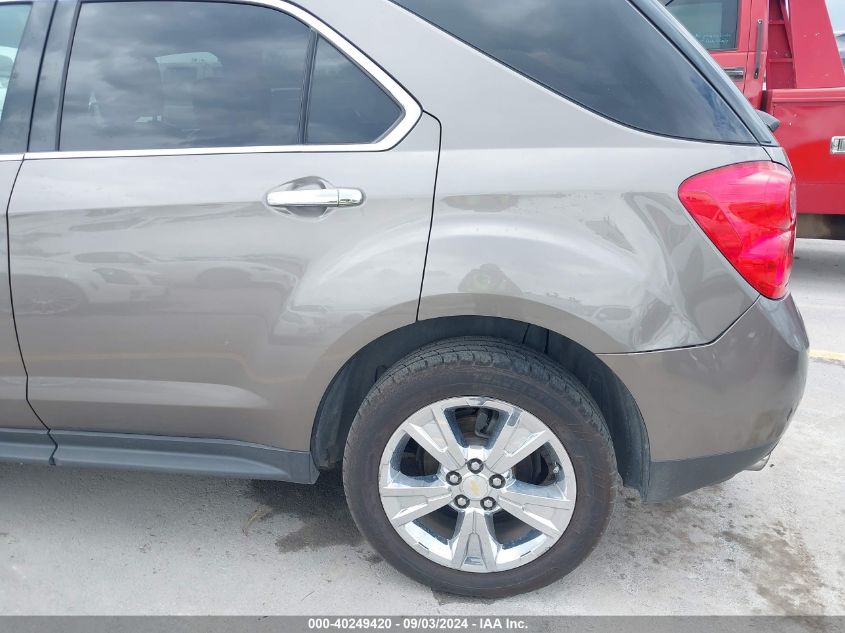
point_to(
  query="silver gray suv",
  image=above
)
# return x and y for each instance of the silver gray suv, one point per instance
(484, 255)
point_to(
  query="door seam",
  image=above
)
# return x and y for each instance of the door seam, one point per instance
(433, 202)
(14, 316)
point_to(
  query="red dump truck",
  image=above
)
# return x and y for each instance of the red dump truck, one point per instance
(785, 58)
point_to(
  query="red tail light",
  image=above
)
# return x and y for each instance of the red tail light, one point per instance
(748, 211)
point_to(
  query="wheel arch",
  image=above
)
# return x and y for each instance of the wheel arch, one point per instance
(352, 382)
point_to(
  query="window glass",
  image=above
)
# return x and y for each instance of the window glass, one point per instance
(714, 23)
(12, 22)
(163, 75)
(836, 9)
(346, 105)
(602, 54)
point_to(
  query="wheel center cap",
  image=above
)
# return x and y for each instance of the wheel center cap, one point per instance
(475, 487)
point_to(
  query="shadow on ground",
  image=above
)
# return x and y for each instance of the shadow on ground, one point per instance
(321, 508)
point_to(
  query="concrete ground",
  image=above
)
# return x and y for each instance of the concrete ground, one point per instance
(96, 542)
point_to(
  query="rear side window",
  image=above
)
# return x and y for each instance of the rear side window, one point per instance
(714, 23)
(12, 23)
(170, 75)
(346, 106)
(602, 54)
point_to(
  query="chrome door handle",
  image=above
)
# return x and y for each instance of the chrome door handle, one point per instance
(316, 198)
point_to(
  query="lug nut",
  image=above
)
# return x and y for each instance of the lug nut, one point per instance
(488, 503)
(461, 501)
(497, 481)
(475, 465)
(453, 478)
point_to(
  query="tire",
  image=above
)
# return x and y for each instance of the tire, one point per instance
(491, 368)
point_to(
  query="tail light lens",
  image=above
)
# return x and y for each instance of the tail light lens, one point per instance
(748, 210)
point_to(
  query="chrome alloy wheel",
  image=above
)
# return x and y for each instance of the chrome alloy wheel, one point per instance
(477, 484)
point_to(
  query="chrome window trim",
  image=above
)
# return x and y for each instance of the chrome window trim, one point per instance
(9, 157)
(411, 110)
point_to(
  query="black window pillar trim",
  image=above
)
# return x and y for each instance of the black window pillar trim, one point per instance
(17, 111)
(307, 80)
(46, 116)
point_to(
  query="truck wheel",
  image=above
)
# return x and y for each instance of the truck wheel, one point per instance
(480, 468)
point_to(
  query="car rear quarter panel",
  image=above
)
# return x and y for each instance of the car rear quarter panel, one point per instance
(547, 213)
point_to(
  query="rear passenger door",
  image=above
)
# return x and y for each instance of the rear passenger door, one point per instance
(217, 199)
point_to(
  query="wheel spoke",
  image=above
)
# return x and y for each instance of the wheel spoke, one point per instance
(409, 498)
(517, 437)
(545, 508)
(519, 448)
(474, 544)
(433, 431)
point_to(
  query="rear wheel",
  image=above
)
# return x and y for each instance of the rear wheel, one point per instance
(480, 468)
